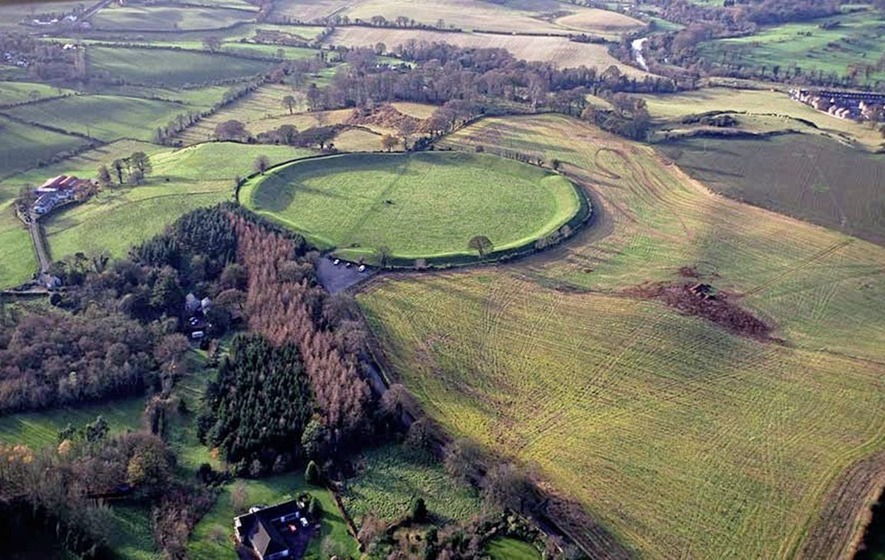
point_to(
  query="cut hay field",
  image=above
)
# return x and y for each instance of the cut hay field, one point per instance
(856, 37)
(170, 68)
(18, 261)
(168, 18)
(103, 117)
(391, 477)
(23, 146)
(808, 177)
(558, 50)
(682, 439)
(521, 16)
(211, 539)
(40, 429)
(182, 180)
(668, 109)
(418, 205)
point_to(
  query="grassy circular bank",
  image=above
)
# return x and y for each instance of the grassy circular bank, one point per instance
(424, 205)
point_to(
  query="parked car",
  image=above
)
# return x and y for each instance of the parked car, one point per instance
(336, 262)
(362, 268)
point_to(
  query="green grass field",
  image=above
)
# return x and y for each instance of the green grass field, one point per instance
(23, 146)
(210, 539)
(18, 262)
(168, 18)
(682, 439)
(83, 165)
(393, 476)
(170, 68)
(19, 92)
(182, 180)
(668, 110)
(418, 205)
(807, 177)
(130, 532)
(102, 117)
(856, 39)
(40, 429)
(511, 549)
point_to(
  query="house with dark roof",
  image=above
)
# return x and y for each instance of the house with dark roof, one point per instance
(276, 532)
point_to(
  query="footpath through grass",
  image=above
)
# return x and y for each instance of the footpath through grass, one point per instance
(426, 204)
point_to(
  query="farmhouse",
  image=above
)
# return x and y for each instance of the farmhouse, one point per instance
(276, 532)
(58, 190)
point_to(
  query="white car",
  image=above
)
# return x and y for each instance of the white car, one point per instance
(336, 262)
(362, 268)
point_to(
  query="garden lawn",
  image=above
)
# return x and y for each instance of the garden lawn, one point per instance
(511, 549)
(419, 205)
(211, 538)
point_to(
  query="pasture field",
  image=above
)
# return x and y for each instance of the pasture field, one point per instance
(668, 109)
(211, 538)
(857, 38)
(168, 18)
(360, 140)
(558, 50)
(19, 92)
(418, 205)
(102, 117)
(262, 111)
(18, 261)
(393, 476)
(182, 180)
(40, 429)
(23, 146)
(610, 395)
(804, 176)
(511, 549)
(541, 16)
(170, 68)
(418, 110)
(84, 165)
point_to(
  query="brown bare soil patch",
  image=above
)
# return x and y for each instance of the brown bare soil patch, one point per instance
(703, 300)
(385, 116)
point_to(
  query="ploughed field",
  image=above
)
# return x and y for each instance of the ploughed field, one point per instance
(421, 205)
(684, 439)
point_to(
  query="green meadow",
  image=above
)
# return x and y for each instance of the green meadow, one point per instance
(418, 205)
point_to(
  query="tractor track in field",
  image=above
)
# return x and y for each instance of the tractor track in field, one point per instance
(840, 527)
(815, 258)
